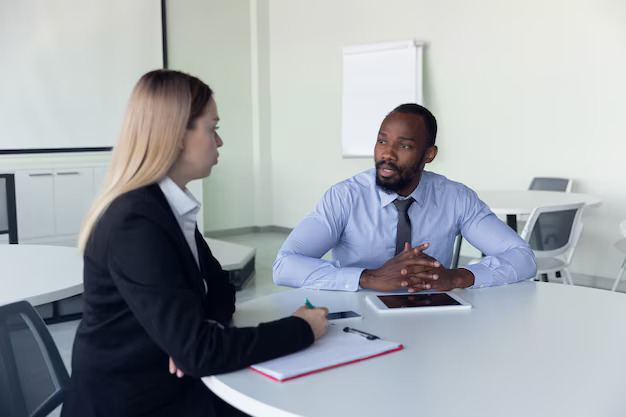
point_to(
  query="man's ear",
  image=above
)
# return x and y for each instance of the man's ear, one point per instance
(431, 153)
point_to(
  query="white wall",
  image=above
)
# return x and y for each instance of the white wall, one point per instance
(264, 172)
(520, 89)
(212, 40)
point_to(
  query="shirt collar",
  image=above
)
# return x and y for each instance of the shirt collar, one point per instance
(419, 194)
(181, 202)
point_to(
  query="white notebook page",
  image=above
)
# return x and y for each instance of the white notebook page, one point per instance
(334, 348)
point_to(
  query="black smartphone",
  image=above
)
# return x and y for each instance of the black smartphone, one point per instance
(338, 315)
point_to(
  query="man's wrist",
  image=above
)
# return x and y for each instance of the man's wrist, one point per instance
(464, 278)
(364, 280)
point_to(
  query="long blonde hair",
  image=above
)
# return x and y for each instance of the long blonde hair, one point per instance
(162, 106)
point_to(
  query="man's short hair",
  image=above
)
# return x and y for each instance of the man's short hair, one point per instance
(427, 116)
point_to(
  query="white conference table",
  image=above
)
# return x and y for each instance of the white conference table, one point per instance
(523, 202)
(39, 274)
(526, 349)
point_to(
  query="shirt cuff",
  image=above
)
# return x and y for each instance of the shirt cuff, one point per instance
(482, 275)
(348, 278)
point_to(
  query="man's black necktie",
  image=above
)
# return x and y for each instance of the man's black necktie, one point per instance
(404, 223)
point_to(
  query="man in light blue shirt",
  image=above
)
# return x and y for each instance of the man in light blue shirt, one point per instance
(375, 245)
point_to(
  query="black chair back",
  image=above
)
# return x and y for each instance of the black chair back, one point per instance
(33, 378)
(552, 230)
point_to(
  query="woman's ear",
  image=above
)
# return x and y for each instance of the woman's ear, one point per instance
(183, 142)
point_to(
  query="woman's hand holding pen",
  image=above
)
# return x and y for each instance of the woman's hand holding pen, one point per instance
(316, 317)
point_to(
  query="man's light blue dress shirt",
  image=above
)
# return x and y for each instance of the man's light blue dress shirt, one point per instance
(357, 220)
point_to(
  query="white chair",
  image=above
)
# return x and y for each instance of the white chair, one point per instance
(553, 233)
(546, 184)
(621, 246)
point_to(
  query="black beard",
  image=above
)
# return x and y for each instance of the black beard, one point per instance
(404, 178)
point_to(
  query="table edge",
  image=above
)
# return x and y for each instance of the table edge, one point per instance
(243, 402)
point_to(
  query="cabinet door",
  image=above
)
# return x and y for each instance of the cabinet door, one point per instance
(73, 194)
(34, 195)
(99, 173)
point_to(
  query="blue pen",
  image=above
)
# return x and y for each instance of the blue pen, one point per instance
(308, 303)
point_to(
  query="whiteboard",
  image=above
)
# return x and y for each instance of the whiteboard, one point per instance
(376, 79)
(68, 67)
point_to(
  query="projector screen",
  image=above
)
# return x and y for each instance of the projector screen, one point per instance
(68, 67)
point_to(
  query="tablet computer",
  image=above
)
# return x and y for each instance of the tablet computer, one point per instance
(430, 301)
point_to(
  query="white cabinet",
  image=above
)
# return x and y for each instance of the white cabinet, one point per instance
(34, 195)
(99, 173)
(73, 195)
(52, 203)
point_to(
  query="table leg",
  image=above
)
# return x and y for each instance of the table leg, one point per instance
(12, 209)
(511, 220)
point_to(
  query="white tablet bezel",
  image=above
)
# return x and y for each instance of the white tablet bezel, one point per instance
(379, 306)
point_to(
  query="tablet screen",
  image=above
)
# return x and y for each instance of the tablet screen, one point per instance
(418, 300)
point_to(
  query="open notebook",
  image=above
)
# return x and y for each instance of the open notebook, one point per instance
(335, 348)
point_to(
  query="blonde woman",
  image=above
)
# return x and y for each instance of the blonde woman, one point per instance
(154, 294)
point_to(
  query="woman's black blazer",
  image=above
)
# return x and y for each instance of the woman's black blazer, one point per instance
(144, 301)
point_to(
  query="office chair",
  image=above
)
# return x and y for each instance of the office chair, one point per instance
(551, 184)
(456, 252)
(552, 232)
(33, 378)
